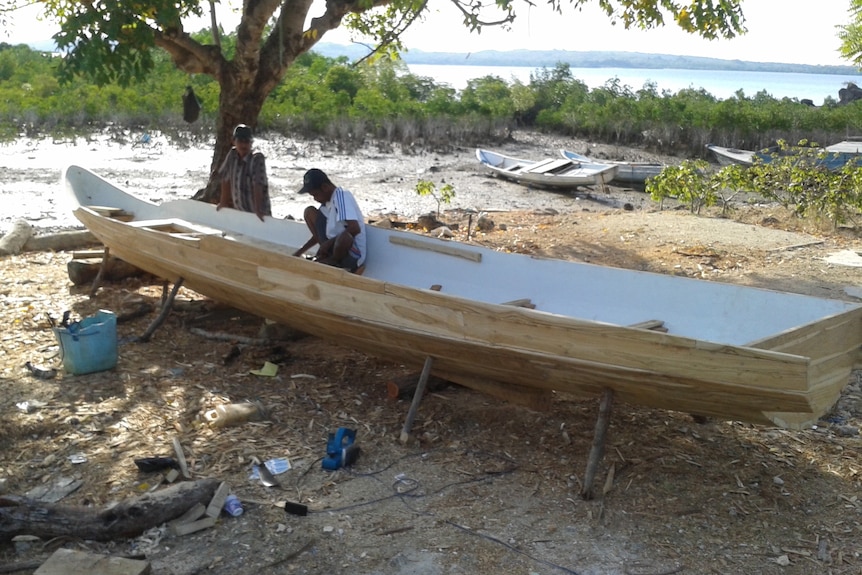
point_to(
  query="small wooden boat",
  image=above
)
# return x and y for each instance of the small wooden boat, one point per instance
(832, 157)
(731, 156)
(558, 173)
(508, 324)
(631, 173)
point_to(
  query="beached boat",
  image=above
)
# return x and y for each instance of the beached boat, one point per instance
(832, 157)
(632, 173)
(730, 156)
(508, 324)
(558, 173)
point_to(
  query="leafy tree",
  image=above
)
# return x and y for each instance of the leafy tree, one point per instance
(114, 40)
(851, 34)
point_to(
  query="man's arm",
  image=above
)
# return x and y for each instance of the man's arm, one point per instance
(352, 227)
(312, 241)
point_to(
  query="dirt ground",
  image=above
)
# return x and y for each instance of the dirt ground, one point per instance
(485, 487)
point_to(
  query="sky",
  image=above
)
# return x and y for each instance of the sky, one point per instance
(791, 31)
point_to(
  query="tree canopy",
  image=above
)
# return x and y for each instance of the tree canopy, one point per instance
(113, 40)
(851, 34)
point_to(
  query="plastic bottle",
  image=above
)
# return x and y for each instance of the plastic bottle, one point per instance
(234, 413)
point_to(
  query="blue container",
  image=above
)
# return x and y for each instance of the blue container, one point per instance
(89, 345)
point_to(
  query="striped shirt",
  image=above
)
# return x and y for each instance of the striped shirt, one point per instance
(245, 175)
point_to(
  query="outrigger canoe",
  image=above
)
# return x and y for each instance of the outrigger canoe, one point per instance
(500, 322)
(555, 173)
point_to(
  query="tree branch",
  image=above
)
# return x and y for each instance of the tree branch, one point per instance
(191, 56)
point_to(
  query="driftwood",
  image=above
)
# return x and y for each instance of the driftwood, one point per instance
(13, 242)
(61, 241)
(22, 516)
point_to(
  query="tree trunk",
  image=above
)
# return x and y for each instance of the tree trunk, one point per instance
(21, 516)
(239, 103)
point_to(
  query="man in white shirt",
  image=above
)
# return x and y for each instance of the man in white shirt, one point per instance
(337, 225)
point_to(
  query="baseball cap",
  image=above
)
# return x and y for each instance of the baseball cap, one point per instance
(313, 180)
(242, 132)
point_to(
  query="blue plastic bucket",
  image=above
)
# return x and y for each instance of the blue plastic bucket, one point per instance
(89, 345)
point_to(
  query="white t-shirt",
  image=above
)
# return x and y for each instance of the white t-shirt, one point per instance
(341, 208)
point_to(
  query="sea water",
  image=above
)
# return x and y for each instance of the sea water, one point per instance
(720, 83)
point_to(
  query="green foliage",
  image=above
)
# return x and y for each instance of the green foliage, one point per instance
(691, 183)
(443, 195)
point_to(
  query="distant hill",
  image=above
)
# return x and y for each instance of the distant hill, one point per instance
(598, 59)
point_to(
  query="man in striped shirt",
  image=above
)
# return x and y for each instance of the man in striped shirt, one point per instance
(337, 225)
(244, 185)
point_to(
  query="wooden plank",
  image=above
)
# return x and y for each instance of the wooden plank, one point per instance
(74, 562)
(652, 324)
(438, 246)
(181, 458)
(546, 167)
(523, 302)
(215, 506)
(181, 529)
(539, 165)
(193, 514)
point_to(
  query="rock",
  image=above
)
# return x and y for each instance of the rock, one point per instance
(485, 223)
(443, 232)
(846, 431)
(13, 242)
(428, 222)
(849, 94)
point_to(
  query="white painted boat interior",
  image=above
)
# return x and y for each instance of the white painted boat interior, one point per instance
(709, 311)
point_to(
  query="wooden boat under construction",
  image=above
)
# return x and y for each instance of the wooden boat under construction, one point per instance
(499, 322)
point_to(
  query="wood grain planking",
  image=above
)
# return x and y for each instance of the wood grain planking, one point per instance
(684, 374)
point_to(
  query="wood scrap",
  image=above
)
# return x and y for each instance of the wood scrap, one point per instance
(75, 562)
(222, 336)
(181, 458)
(20, 516)
(85, 271)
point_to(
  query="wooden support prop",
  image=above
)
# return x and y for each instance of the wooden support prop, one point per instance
(417, 398)
(167, 303)
(597, 450)
(97, 281)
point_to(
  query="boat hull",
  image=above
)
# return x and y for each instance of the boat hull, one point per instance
(630, 173)
(787, 378)
(560, 174)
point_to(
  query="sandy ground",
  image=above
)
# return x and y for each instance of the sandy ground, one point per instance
(488, 487)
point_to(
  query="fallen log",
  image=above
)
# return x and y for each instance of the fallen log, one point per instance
(61, 241)
(85, 271)
(22, 516)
